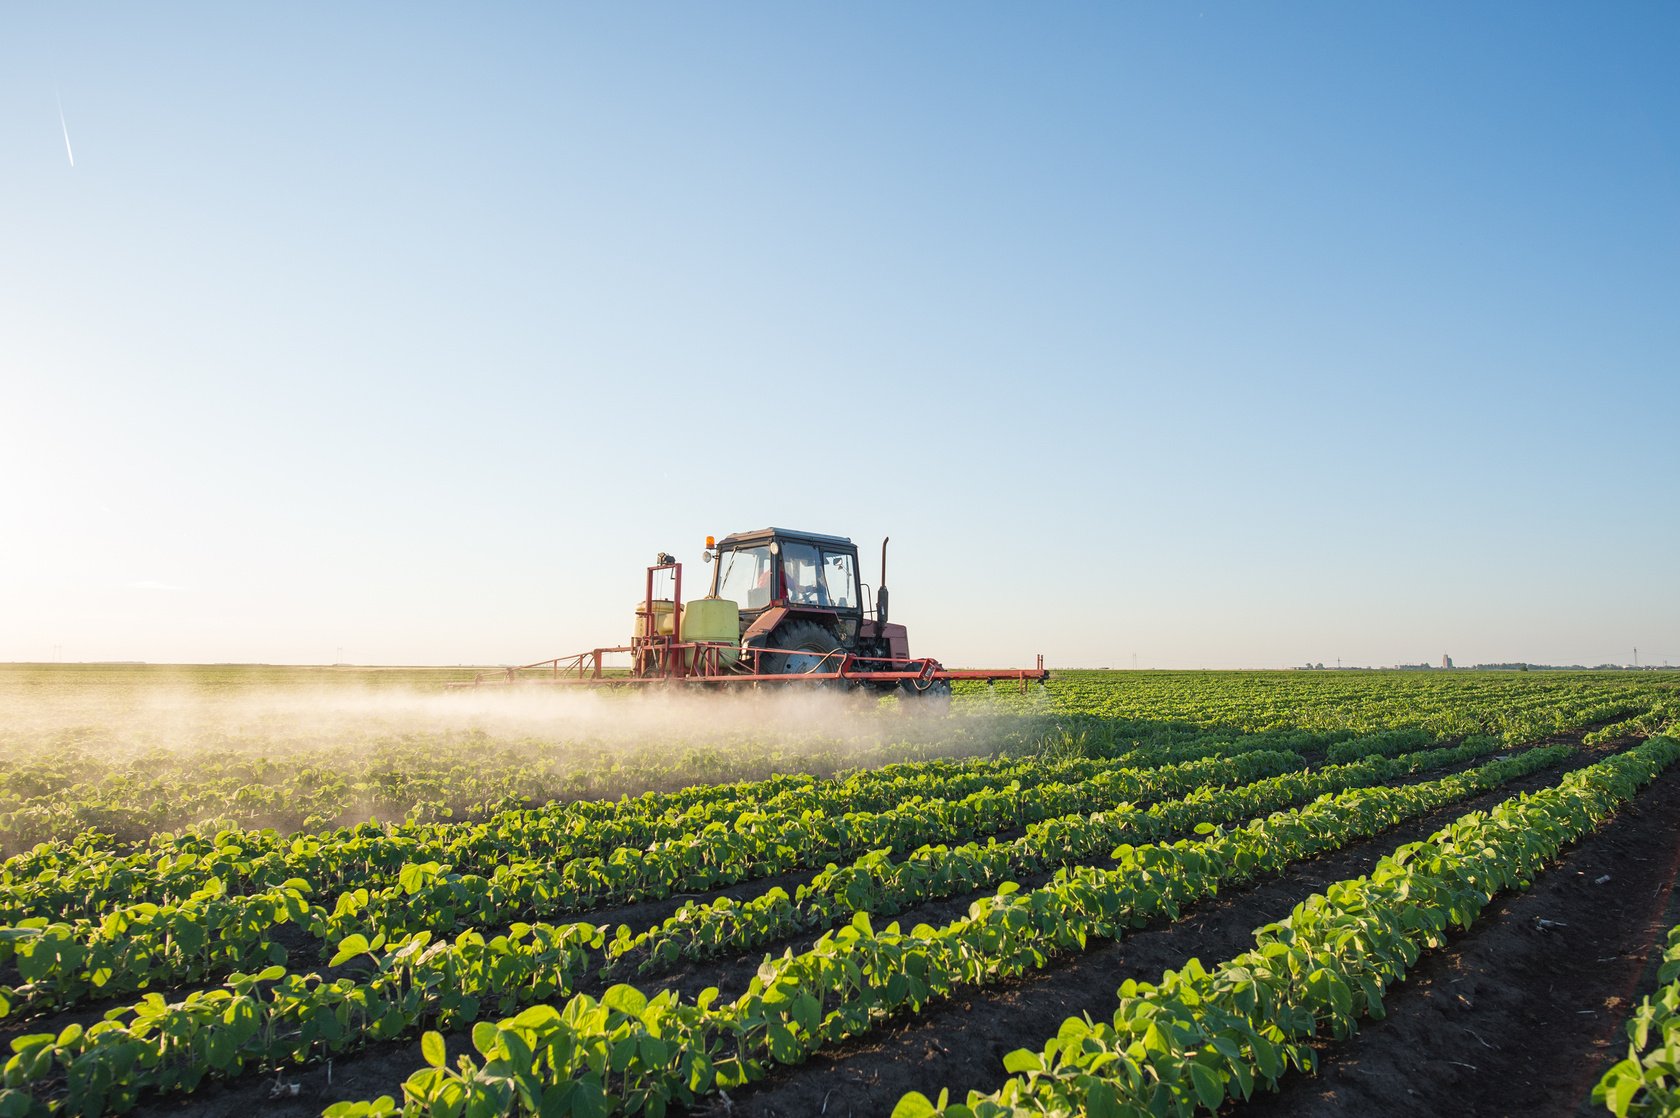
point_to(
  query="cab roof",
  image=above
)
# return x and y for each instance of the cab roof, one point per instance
(759, 534)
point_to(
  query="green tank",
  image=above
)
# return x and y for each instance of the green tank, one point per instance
(714, 619)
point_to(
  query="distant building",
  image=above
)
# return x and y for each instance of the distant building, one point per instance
(1446, 661)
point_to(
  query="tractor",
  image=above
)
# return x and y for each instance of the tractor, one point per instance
(784, 607)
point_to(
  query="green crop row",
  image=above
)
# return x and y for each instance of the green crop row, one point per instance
(1389, 743)
(207, 934)
(210, 934)
(68, 767)
(756, 845)
(1647, 722)
(272, 1018)
(76, 880)
(627, 1053)
(172, 864)
(879, 884)
(1647, 1082)
(1200, 1037)
(1518, 707)
(65, 768)
(412, 980)
(87, 875)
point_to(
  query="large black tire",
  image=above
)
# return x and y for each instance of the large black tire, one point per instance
(812, 649)
(935, 696)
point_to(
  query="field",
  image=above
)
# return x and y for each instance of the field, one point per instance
(289, 891)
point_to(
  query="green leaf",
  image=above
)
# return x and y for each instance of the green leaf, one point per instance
(432, 1048)
(784, 1046)
(588, 1100)
(223, 1046)
(1266, 1058)
(349, 947)
(1619, 1098)
(625, 999)
(1023, 1060)
(808, 1012)
(1210, 1089)
(914, 1105)
(532, 1017)
(35, 965)
(1102, 1100)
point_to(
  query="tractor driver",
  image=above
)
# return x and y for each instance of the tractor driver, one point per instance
(799, 589)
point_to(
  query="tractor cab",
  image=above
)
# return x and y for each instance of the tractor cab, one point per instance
(775, 575)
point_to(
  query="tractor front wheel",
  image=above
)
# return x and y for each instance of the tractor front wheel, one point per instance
(935, 696)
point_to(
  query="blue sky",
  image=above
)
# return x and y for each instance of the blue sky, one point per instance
(1210, 335)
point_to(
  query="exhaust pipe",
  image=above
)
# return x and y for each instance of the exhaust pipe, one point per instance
(881, 595)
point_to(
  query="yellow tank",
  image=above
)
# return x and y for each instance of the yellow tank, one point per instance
(661, 615)
(713, 619)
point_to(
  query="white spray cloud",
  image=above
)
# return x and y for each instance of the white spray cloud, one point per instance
(186, 717)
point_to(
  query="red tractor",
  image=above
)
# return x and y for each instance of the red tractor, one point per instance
(784, 608)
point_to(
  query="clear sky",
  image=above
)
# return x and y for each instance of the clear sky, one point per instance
(1205, 334)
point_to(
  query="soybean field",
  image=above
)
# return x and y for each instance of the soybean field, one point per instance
(355, 892)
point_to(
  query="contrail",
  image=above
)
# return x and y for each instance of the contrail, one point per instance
(64, 126)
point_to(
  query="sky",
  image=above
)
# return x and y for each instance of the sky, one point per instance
(1167, 335)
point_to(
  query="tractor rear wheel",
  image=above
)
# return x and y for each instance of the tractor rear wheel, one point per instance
(811, 649)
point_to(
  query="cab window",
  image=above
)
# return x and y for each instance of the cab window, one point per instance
(818, 577)
(745, 577)
(839, 580)
(801, 564)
